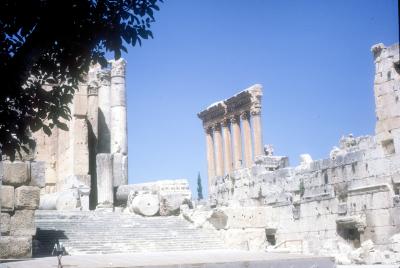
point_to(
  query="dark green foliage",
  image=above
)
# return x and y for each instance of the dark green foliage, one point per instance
(53, 42)
(199, 188)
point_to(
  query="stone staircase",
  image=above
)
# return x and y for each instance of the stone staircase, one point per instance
(93, 232)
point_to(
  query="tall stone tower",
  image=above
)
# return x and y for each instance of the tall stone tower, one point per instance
(387, 95)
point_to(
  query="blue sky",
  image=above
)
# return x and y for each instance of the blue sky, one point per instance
(312, 57)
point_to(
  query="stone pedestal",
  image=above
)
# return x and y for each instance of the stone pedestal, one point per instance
(105, 193)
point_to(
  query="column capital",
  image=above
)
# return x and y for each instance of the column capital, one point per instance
(118, 67)
(217, 127)
(104, 77)
(255, 111)
(245, 115)
(93, 89)
(208, 130)
(226, 122)
(234, 119)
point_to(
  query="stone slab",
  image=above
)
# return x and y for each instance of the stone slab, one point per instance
(15, 173)
(38, 174)
(4, 223)
(23, 223)
(27, 197)
(15, 247)
(184, 259)
(7, 198)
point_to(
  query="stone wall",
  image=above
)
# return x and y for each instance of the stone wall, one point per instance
(20, 184)
(347, 205)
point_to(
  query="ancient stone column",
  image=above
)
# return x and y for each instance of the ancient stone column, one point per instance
(104, 112)
(119, 135)
(210, 156)
(219, 158)
(78, 135)
(257, 132)
(105, 192)
(247, 139)
(227, 146)
(93, 109)
(237, 142)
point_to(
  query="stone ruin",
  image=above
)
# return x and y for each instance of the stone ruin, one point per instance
(347, 205)
(86, 163)
(82, 169)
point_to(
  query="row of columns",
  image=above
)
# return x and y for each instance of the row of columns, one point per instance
(220, 158)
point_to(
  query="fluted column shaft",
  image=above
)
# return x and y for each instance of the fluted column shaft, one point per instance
(247, 139)
(257, 135)
(227, 146)
(237, 142)
(210, 157)
(219, 158)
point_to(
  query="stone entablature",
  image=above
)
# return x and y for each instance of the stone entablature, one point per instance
(224, 122)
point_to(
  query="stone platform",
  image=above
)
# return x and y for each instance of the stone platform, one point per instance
(182, 259)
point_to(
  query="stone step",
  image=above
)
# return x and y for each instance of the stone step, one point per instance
(113, 232)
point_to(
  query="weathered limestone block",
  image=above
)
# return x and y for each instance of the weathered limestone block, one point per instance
(394, 243)
(7, 199)
(27, 197)
(15, 173)
(38, 174)
(15, 247)
(145, 204)
(5, 223)
(105, 190)
(120, 169)
(23, 223)
(253, 239)
(68, 200)
(247, 217)
(170, 204)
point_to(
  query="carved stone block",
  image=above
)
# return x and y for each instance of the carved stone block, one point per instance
(23, 223)
(15, 247)
(5, 223)
(15, 173)
(7, 198)
(38, 172)
(27, 197)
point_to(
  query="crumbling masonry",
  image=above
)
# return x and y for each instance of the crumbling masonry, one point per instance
(347, 205)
